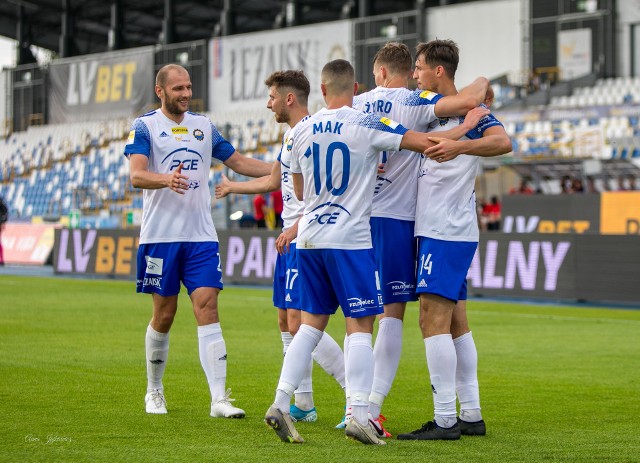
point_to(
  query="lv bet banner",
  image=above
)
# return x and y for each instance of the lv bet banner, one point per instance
(101, 86)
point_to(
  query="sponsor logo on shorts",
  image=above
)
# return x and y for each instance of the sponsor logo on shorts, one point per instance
(154, 265)
(422, 284)
(401, 287)
(152, 281)
(360, 305)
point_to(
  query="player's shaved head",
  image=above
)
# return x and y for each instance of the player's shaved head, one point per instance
(443, 53)
(290, 81)
(396, 57)
(338, 77)
(163, 73)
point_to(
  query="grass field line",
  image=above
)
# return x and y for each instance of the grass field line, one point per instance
(553, 317)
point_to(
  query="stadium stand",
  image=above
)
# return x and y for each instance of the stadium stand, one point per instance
(51, 170)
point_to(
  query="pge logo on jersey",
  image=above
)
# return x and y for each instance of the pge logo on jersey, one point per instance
(184, 156)
(326, 217)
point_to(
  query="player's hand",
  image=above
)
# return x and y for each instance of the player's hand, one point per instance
(489, 97)
(177, 181)
(223, 188)
(381, 168)
(443, 150)
(473, 117)
(283, 241)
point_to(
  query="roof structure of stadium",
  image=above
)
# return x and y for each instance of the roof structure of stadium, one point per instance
(78, 27)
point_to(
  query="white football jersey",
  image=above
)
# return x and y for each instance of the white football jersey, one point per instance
(396, 188)
(336, 151)
(446, 208)
(168, 216)
(292, 207)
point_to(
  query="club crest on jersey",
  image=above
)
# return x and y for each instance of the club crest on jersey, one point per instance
(198, 134)
(427, 95)
(388, 122)
(289, 144)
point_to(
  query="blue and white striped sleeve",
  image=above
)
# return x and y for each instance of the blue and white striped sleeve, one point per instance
(139, 141)
(222, 149)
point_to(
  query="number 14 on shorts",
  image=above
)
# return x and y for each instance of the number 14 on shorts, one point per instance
(426, 263)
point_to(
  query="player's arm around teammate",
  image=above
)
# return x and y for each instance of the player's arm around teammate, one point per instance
(494, 142)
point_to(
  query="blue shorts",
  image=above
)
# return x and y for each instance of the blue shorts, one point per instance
(162, 266)
(443, 267)
(394, 247)
(339, 277)
(286, 285)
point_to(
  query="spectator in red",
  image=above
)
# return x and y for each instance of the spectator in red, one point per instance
(493, 212)
(259, 210)
(276, 203)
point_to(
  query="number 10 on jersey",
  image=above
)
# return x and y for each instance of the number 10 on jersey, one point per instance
(315, 151)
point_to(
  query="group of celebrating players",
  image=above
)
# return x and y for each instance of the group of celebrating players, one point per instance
(379, 210)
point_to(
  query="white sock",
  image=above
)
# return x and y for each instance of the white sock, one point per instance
(213, 357)
(304, 392)
(294, 365)
(360, 373)
(286, 341)
(441, 361)
(347, 392)
(330, 357)
(386, 352)
(467, 378)
(157, 351)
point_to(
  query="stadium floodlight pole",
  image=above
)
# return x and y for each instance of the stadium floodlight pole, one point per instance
(364, 8)
(421, 23)
(228, 19)
(168, 35)
(115, 29)
(293, 11)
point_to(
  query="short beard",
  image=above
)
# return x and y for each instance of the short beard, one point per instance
(175, 109)
(282, 118)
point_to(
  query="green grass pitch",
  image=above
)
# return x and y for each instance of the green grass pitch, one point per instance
(558, 384)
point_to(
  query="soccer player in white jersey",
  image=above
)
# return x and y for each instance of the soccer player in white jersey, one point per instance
(447, 228)
(334, 160)
(394, 200)
(288, 95)
(170, 152)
